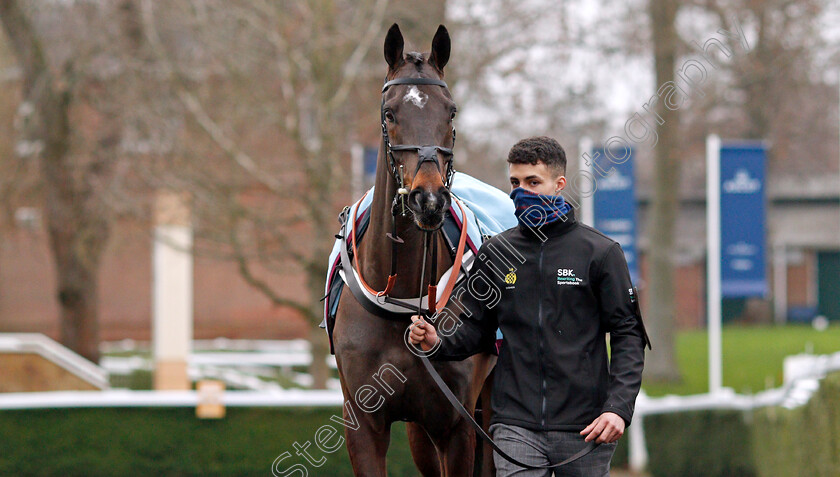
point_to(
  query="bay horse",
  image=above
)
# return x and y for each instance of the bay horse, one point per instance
(417, 108)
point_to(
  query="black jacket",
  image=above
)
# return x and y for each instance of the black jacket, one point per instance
(554, 292)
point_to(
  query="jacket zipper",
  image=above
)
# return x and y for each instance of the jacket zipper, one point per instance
(539, 330)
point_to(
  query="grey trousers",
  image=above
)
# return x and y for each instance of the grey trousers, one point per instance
(545, 448)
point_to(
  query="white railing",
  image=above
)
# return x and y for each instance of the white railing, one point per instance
(126, 398)
(802, 378)
(50, 350)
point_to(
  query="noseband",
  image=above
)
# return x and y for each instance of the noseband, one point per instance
(426, 153)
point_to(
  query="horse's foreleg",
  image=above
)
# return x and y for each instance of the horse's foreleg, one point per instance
(488, 469)
(422, 450)
(367, 447)
(458, 450)
(481, 385)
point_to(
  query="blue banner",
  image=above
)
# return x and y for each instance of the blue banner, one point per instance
(369, 157)
(742, 219)
(615, 202)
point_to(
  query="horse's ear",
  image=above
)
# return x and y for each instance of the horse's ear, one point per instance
(441, 45)
(394, 46)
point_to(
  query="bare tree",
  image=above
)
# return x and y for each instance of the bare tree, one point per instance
(513, 77)
(275, 94)
(75, 91)
(775, 88)
(661, 363)
(78, 227)
(769, 89)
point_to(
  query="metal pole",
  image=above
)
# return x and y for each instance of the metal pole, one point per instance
(713, 305)
(780, 283)
(587, 202)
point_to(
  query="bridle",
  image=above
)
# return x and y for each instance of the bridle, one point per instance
(357, 284)
(426, 153)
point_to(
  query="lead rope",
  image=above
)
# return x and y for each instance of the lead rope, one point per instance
(395, 239)
(456, 403)
(423, 273)
(432, 305)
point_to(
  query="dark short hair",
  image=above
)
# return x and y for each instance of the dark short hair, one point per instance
(539, 148)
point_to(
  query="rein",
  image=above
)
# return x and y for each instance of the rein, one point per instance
(450, 396)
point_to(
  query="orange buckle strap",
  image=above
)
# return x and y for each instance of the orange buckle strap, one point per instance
(390, 286)
(456, 267)
(432, 295)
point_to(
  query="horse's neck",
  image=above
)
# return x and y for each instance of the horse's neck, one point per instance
(376, 248)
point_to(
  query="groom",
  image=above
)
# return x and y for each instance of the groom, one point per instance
(555, 387)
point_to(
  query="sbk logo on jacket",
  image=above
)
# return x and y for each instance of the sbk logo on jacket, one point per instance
(566, 276)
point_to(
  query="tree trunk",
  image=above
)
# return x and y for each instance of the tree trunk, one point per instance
(320, 350)
(78, 227)
(318, 340)
(77, 295)
(661, 363)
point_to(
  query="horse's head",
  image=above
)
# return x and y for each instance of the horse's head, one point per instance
(417, 125)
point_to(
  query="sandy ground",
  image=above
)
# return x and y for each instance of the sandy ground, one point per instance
(626, 473)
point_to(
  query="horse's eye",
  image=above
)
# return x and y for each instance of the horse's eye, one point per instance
(452, 115)
(389, 116)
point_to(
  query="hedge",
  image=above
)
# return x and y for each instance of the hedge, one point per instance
(801, 441)
(767, 442)
(173, 442)
(699, 444)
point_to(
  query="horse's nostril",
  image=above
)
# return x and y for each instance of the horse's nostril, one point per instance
(445, 196)
(415, 198)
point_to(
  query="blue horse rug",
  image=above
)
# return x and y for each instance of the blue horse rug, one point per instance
(487, 211)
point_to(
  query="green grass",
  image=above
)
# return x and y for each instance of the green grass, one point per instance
(753, 356)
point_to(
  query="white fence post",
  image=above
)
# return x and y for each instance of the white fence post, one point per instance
(172, 291)
(637, 452)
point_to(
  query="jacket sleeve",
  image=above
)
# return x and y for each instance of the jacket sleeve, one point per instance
(468, 323)
(618, 303)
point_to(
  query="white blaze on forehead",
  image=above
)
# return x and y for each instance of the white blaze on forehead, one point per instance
(416, 96)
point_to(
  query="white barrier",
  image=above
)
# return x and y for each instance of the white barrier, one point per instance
(804, 380)
(50, 350)
(126, 398)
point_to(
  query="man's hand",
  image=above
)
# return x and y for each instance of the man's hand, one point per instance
(608, 427)
(422, 333)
